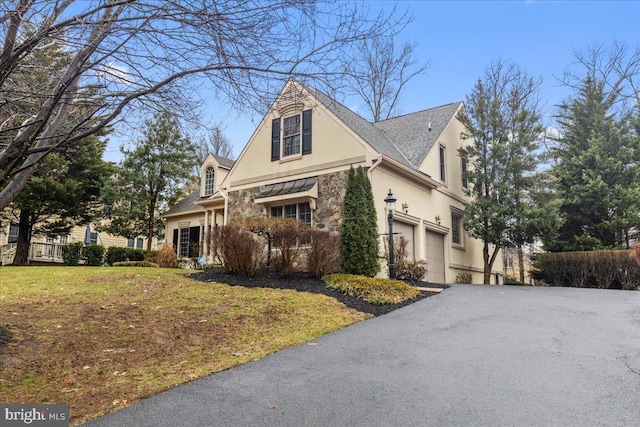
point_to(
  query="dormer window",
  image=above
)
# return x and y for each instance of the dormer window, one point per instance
(209, 182)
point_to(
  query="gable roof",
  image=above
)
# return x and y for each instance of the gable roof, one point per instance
(375, 137)
(406, 139)
(223, 161)
(416, 133)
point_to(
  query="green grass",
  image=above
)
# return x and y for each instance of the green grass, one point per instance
(99, 338)
(373, 290)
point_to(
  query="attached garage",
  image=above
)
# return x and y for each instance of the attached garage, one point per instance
(435, 256)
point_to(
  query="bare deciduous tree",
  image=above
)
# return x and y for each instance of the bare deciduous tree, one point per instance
(380, 72)
(128, 53)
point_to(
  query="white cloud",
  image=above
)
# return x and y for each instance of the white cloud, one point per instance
(114, 73)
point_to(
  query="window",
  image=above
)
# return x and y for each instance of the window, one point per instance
(465, 180)
(276, 212)
(209, 181)
(63, 239)
(137, 243)
(291, 136)
(14, 230)
(299, 211)
(456, 228)
(442, 164)
(50, 239)
(184, 243)
(93, 238)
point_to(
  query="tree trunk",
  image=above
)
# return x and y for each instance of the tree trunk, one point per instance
(521, 263)
(150, 228)
(488, 262)
(24, 240)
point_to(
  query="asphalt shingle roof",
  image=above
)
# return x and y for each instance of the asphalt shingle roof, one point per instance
(223, 161)
(372, 135)
(187, 204)
(411, 132)
(406, 139)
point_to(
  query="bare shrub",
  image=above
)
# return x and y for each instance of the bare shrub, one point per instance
(287, 233)
(603, 268)
(628, 271)
(405, 269)
(464, 278)
(237, 250)
(324, 253)
(635, 253)
(166, 256)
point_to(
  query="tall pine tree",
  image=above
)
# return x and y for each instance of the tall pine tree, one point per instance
(149, 179)
(597, 170)
(359, 229)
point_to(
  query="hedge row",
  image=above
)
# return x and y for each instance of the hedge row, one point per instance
(597, 269)
(96, 255)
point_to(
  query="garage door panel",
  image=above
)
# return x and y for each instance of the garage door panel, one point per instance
(435, 257)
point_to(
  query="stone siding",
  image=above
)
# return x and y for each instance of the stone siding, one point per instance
(326, 216)
(331, 190)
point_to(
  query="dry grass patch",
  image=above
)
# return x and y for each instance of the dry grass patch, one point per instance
(103, 338)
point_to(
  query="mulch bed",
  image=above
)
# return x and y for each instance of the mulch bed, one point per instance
(307, 283)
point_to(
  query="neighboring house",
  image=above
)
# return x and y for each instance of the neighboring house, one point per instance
(49, 248)
(512, 264)
(296, 165)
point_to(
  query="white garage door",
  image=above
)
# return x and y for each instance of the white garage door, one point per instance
(435, 257)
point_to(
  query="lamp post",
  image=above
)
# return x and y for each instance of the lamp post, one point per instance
(390, 202)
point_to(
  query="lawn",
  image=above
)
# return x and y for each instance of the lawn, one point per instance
(102, 338)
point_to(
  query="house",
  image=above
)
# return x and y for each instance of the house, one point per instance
(48, 249)
(296, 164)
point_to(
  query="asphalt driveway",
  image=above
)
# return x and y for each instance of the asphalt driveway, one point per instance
(471, 356)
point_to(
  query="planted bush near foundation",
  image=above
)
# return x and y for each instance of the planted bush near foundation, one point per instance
(237, 250)
(372, 289)
(324, 253)
(166, 257)
(72, 253)
(465, 278)
(94, 254)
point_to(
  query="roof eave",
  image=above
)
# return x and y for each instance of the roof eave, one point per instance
(411, 174)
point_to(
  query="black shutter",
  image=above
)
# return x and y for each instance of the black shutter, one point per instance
(306, 132)
(175, 239)
(275, 139)
(194, 240)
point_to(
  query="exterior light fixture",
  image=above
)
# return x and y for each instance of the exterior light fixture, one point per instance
(390, 202)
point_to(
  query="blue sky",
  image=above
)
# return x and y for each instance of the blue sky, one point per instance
(460, 38)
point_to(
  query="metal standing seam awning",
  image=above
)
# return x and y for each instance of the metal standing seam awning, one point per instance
(305, 188)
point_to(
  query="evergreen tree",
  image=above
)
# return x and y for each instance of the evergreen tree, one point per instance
(359, 229)
(65, 192)
(597, 169)
(149, 179)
